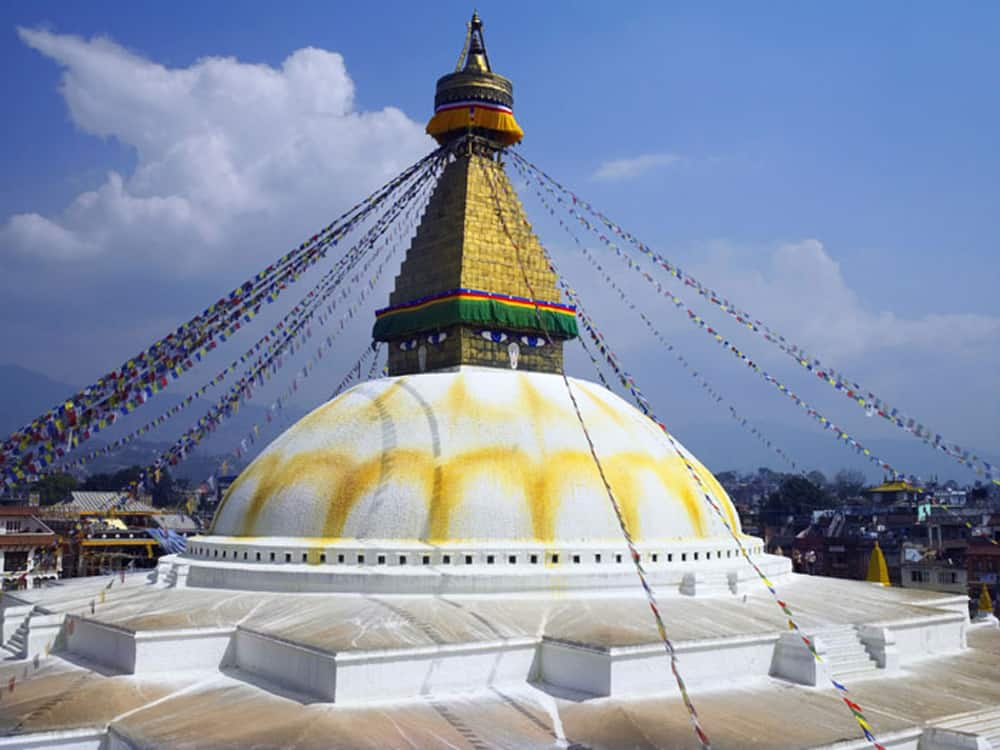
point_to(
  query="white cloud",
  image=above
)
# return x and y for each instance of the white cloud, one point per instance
(801, 292)
(230, 157)
(625, 169)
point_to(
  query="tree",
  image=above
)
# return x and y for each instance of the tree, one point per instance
(727, 478)
(817, 477)
(116, 482)
(795, 495)
(848, 483)
(54, 488)
(767, 474)
(163, 490)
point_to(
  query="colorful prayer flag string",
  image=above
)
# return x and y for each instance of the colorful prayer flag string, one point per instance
(241, 391)
(48, 437)
(613, 500)
(838, 432)
(386, 228)
(867, 400)
(698, 376)
(629, 383)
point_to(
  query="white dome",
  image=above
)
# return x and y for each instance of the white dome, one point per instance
(476, 455)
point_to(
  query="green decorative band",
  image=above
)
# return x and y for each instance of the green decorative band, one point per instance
(474, 308)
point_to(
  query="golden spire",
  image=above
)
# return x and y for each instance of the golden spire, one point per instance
(476, 287)
(475, 99)
(477, 61)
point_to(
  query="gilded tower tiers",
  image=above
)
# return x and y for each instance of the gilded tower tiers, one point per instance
(475, 287)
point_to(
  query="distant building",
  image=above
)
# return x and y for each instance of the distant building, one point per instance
(935, 575)
(897, 491)
(29, 550)
(982, 561)
(105, 531)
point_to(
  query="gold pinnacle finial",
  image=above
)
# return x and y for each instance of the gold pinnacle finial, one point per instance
(477, 60)
(473, 99)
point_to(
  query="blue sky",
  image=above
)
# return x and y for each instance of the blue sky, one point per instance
(853, 144)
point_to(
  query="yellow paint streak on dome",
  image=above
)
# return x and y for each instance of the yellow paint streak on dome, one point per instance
(538, 406)
(621, 470)
(508, 466)
(718, 493)
(321, 469)
(332, 409)
(561, 471)
(540, 480)
(602, 406)
(264, 465)
(400, 465)
(334, 413)
(675, 478)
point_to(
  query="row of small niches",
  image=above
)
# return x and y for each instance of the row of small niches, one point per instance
(552, 558)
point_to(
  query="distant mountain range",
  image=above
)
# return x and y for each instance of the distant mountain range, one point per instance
(24, 394)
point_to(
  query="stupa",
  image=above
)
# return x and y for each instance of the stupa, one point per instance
(431, 558)
(467, 470)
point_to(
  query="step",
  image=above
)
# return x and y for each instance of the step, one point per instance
(988, 727)
(857, 674)
(839, 640)
(848, 648)
(859, 665)
(985, 724)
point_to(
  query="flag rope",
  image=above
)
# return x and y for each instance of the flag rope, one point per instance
(629, 382)
(79, 417)
(839, 433)
(228, 404)
(866, 399)
(304, 309)
(654, 607)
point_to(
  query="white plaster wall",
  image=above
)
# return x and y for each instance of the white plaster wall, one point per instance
(42, 632)
(929, 637)
(714, 571)
(575, 667)
(445, 669)
(72, 739)
(294, 666)
(112, 647)
(178, 650)
(710, 663)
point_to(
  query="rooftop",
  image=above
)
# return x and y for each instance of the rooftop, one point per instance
(181, 707)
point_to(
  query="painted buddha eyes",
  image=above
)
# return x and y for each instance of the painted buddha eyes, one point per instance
(497, 337)
(434, 338)
(500, 337)
(533, 341)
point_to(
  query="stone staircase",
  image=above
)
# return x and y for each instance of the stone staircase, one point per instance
(978, 729)
(846, 655)
(16, 645)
